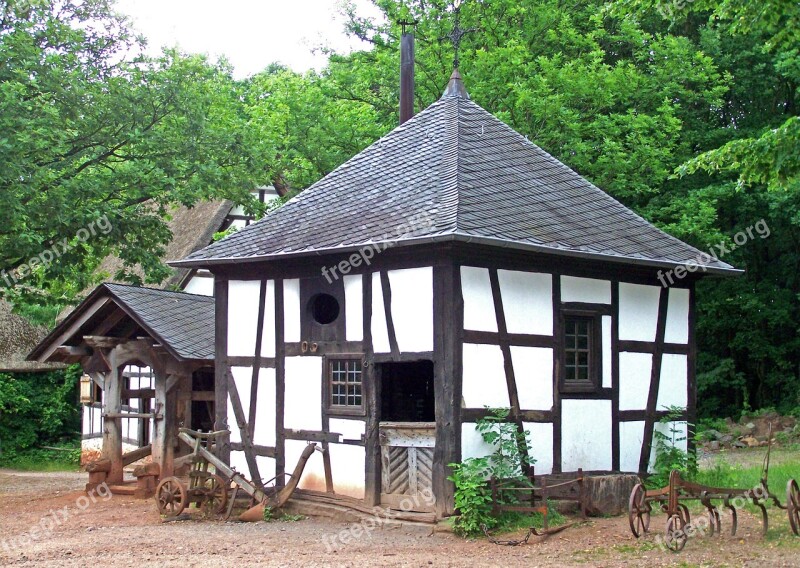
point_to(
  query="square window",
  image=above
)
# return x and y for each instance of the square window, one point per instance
(345, 385)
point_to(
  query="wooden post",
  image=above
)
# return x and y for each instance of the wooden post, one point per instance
(159, 426)
(112, 427)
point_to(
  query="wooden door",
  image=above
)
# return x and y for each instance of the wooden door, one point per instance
(407, 465)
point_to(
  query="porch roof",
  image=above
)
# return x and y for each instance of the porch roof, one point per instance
(182, 323)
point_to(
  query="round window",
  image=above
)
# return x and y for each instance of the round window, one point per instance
(324, 308)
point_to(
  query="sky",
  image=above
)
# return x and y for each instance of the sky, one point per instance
(250, 33)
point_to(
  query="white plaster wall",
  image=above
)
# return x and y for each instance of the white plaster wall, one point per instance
(638, 312)
(540, 438)
(243, 299)
(634, 380)
(264, 434)
(587, 290)
(243, 377)
(268, 333)
(349, 429)
(680, 432)
(673, 387)
(606, 323)
(94, 444)
(348, 469)
(201, 286)
(476, 289)
(484, 377)
(291, 310)
(266, 468)
(314, 473)
(472, 444)
(412, 308)
(380, 331)
(527, 301)
(586, 435)
(533, 371)
(677, 330)
(303, 394)
(239, 463)
(354, 308)
(631, 435)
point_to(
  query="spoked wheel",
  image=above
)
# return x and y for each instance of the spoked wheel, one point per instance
(216, 495)
(638, 511)
(793, 505)
(171, 497)
(676, 533)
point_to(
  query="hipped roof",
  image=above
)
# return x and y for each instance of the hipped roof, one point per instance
(452, 173)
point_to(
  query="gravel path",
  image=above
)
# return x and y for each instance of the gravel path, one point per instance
(75, 530)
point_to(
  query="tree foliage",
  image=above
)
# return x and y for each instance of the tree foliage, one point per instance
(684, 111)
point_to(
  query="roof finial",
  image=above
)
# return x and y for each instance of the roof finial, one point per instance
(457, 32)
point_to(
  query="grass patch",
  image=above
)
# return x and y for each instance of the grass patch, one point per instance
(511, 522)
(37, 459)
(722, 474)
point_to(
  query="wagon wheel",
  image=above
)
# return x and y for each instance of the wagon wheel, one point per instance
(216, 495)
(171, 497)
(638, 511)
(793, 505)
(676, 535)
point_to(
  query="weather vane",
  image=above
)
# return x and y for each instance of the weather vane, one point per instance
(457, 33)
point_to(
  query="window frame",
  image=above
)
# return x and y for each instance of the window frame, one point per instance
(336, 409)
(595, 364)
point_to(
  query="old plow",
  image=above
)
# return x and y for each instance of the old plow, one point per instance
(672, 500)
(212, 492)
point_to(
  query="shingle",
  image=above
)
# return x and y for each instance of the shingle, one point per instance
(183, 322)
(473, 177)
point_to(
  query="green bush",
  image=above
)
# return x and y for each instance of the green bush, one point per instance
(668, 455)
(509, 461)
(38, 409)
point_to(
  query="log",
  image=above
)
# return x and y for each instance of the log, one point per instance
(136, 455)
(97, 466)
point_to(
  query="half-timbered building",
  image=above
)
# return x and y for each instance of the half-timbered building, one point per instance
(451, 266)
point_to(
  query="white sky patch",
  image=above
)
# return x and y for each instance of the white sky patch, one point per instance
(251, 34)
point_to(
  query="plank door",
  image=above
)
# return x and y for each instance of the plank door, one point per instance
(407, 465)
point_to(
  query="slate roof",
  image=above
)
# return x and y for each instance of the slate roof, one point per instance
(474, 179)
(183, 323)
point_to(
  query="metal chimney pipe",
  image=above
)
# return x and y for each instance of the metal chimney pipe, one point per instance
(406, 77)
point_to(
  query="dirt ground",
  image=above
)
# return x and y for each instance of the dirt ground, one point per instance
(74, 530)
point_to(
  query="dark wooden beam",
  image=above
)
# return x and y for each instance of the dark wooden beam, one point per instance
(558, 357)
(262, 297)
(311, 435)
(280, 382)
(244, 430)
(615, 349)
(372, 465)
(448, 309)
(515, 339)
(386, 288)
(223, 450)
(655, 381)
(508, 364)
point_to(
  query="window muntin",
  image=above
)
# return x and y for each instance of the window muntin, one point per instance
(345, 382)
(581, 353)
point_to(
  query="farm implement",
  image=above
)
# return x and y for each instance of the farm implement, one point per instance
(672, 500)
(212, 492)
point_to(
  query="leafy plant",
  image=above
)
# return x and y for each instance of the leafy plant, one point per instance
(508, 461)
(669, 455)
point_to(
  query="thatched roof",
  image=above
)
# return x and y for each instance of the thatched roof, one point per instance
(17, 338)
(192, 229)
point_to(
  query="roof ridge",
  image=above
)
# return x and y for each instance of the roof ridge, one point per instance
(111, 285)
